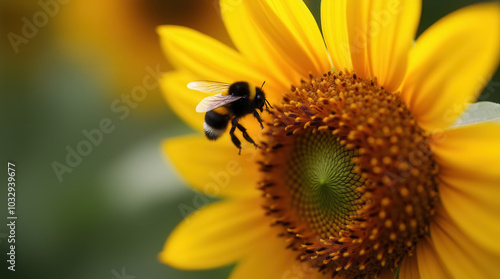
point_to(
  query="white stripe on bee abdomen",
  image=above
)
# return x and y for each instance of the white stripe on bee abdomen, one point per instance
(211, 132)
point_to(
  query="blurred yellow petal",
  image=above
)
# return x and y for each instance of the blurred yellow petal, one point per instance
(214, 168)
(216, 235)
(392, 27)
(451, 63)
(469, 159)
(206, 58)
(409, 268)
(334, 24)
(429, 263)
(269, 259)
(473, 205)
(182, 100)
(459, 253)
(357, 28)
(469, 152)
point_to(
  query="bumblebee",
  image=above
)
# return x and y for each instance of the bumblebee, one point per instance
(232, 102)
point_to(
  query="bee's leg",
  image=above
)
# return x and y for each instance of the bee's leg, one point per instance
(234, 139)
(268, 105)
(257, 115)
(246, 135)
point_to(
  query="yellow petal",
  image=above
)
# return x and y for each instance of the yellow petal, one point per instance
(287, 29)
(392, 27)
(301, 23)
(206, 58)
(251, 43)
(357, 28)
(216, 235)
(214, 168)
(462, 256)
(409, 268)
(334, 25)
(182, 100)
(429, 263)
(469, 160)
(450, 64)
(473, 205)
(270, 259)
(468, 152)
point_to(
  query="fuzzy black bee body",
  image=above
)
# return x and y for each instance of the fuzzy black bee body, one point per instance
(233, 102)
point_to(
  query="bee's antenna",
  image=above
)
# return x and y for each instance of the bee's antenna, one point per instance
(266, 102)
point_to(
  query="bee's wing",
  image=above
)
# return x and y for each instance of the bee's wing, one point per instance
(208, 86)
(215, 101)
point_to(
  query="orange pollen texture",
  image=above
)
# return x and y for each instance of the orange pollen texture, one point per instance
(393, 158)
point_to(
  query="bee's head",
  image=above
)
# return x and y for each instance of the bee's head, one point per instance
(261, 101)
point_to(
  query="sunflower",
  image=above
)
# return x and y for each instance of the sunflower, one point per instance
(373, 161)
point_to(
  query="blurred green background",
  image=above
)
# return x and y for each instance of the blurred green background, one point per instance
(110, 216)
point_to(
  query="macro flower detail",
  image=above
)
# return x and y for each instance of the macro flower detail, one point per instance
(357, 214)
(367, 165)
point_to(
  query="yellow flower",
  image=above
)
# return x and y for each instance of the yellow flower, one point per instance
(117, 36)
(368, 165)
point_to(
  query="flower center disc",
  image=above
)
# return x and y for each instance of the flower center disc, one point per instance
(322, 183)
(348, 174)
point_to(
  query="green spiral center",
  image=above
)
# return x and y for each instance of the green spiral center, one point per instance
(322, 182)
